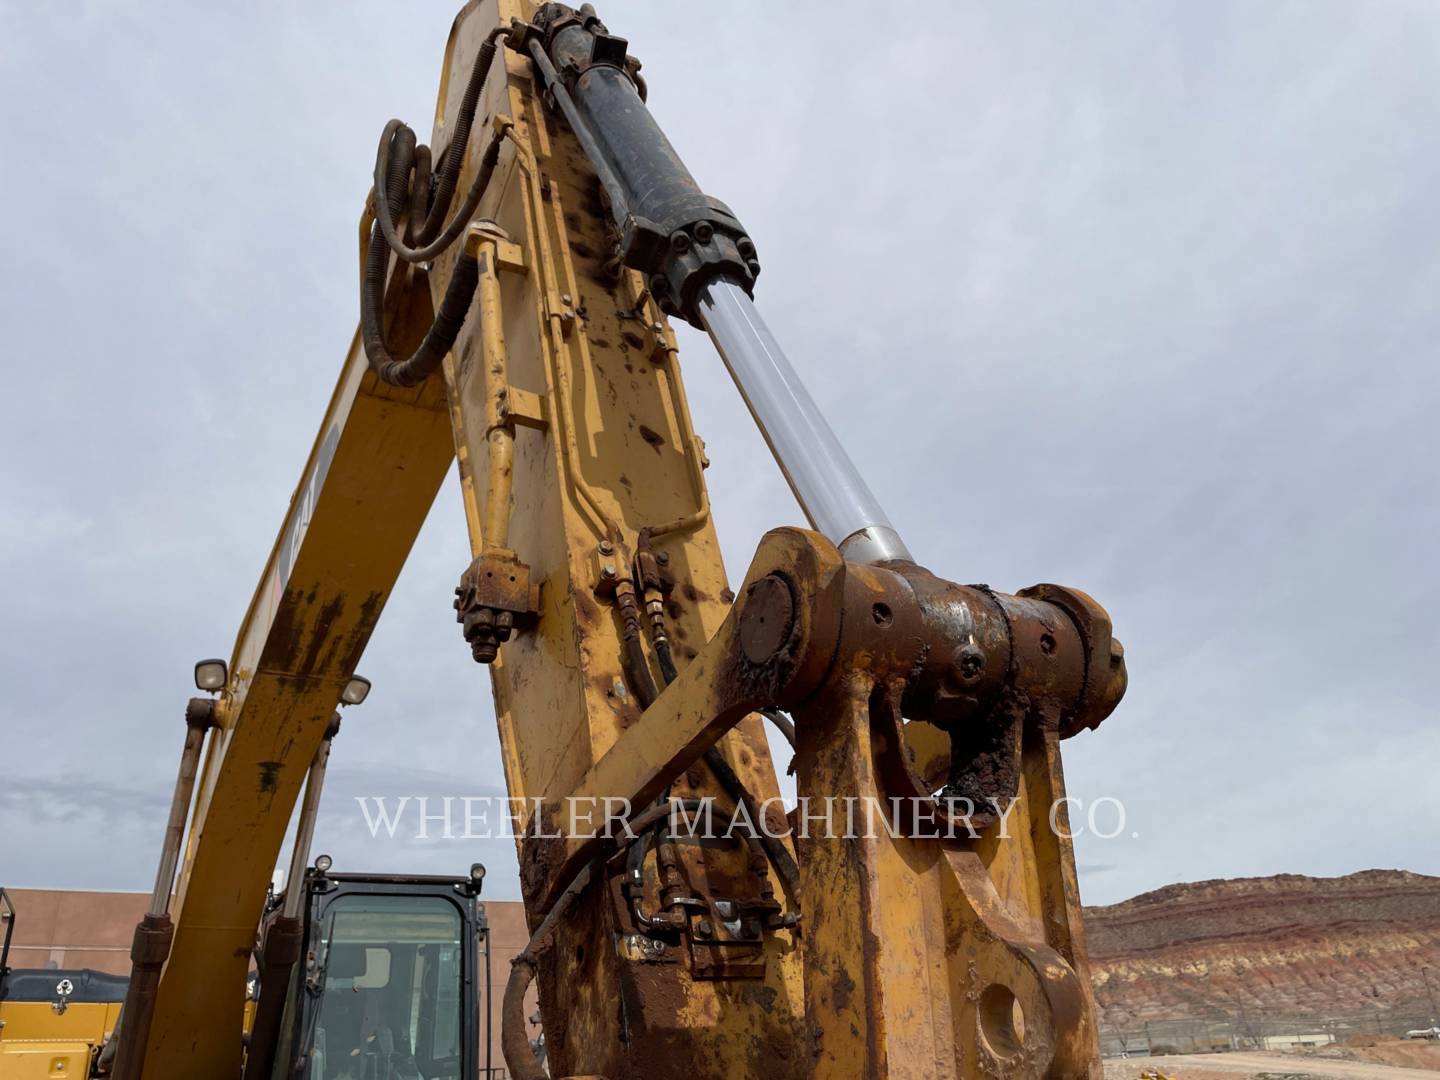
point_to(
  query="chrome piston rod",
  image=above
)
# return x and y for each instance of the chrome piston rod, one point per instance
(825, 481)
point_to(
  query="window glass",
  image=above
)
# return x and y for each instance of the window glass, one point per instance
(389, 990)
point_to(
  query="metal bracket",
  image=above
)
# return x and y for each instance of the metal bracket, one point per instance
(518, 407)
(495, 596)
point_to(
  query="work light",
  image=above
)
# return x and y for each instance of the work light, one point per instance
(211, 675)
(356, 690)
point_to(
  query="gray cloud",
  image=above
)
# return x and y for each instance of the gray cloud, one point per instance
(1136, 298)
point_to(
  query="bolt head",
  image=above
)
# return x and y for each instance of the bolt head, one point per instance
(969, 661)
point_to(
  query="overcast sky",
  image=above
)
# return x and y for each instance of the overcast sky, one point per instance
(1139, 298)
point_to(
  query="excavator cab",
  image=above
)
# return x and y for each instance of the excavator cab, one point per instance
(392, 981)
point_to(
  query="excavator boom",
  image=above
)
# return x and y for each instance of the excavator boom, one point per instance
(517, 286)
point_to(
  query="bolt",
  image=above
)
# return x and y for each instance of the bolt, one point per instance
(704, 231)
(703, 928)
(607, 548)
(970, 661)
(1047, 644)
(565, 299)
(607, 572)
(663, 558)
(746, 248)
(658, 328)
(680, 241)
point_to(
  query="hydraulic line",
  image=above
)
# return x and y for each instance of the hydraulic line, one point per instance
(441, 336)
(777, 853)
(385, 208)
(785, 725)
(453, 156)
(396, 160)
(519, 1058)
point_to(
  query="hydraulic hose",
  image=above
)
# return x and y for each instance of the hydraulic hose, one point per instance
(778, 854)
(441, 336)
(387, 209)
(454, 154)
(424, 210)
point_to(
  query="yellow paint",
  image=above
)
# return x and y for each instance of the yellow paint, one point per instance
(37, 1042)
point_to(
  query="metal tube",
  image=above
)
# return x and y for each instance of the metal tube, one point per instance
(500, 430)
(305, 830)
(598, 161)
(826, 483)
(175, 827)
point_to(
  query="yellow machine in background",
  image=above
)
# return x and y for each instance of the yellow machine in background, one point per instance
(53, 1023)
(517, 287)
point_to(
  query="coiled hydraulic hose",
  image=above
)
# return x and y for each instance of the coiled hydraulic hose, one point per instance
(454, 154)
(396, 159)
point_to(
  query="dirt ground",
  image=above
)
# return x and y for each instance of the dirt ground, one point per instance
(1173, 1067)
(1411, 1053)
(1391, 1060)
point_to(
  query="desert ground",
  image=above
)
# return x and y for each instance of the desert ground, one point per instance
(1392, 1059)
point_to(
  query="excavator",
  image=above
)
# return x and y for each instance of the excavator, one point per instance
(914, 914)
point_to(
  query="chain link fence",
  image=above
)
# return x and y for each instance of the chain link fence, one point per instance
(1254, 1031)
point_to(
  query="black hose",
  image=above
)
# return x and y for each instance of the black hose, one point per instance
(386, 210)
(667, 660)
(423, 206)
(420, 194)
(632, 656)
(782, 722)
(775, 851)
(453, 156)
(441, 336)
(778, 853)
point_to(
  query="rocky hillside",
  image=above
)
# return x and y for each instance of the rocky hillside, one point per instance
(1279, 946)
